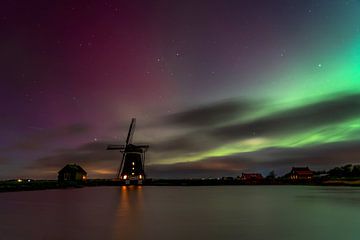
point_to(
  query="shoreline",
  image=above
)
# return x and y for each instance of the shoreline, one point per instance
(35, 185)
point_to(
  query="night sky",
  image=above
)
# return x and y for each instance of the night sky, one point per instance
(217, 87)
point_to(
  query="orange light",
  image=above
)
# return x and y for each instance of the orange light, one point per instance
(140, 176)
(84, 177)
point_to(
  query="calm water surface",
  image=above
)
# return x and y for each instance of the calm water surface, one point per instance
(219, 212)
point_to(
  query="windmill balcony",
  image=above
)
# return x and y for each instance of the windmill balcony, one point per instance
(132, 177)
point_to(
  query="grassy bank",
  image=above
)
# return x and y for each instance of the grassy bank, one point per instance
(29, 185)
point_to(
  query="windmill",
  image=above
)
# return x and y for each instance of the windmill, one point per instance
(133, 158)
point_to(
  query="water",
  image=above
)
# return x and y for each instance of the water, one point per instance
(218, 212)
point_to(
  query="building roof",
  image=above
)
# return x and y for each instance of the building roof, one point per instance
(302, 171)
(251, 175)
(72, 168)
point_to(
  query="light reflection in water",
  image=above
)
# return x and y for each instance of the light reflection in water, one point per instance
(128, 218)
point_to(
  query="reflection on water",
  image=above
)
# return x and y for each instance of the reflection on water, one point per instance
(128, 212)
(222, 212)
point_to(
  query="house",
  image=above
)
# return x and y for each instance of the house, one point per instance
(301, 173)
(227, 178)
(72, 172)
(251, 177)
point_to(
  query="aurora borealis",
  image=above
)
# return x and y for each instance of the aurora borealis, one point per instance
(217, 87)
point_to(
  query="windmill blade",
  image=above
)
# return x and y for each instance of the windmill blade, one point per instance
(143, 162)
(115, 147)
(131, 131)
(121, 166)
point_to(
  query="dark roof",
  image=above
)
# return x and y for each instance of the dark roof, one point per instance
(251, 175)
(72, 168)
(302, 170)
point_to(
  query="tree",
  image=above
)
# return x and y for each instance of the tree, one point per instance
(336, 172)
(271, 175)
(356, 171)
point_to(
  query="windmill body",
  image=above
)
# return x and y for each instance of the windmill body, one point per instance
(131, 168)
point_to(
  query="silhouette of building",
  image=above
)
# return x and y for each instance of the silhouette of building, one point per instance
(301, 173)
(227, 178)
(72, 172)
(251, 177)
(133, 158)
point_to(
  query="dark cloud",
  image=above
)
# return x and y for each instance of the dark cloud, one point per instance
(295, 120)
(43, 137)
(189, 143)
(287, 122)
(94, 156)
(318, 157)
(89, 153)
(210, 115)
(324, 155)
(91, 156)
(4, 160)
(321, 114)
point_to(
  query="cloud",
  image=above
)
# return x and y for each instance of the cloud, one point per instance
(211, 115)
(43, 137)
(89, 153)
(4, 160)
(280, 124)
(93, 156)
(295, 120)
(102, 163)
(281, 160)
(284, 123)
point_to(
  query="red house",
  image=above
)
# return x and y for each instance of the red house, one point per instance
(301, 173)
(251, 177)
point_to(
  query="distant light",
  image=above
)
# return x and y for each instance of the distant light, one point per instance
(132, 173)
(125, 177)
(29, 180)
(84, 177)
(319, 65)
(133, 168)
(19, 180)
(140, 176)
(133, 163)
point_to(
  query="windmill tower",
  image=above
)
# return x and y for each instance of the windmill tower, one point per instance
(133, 158)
